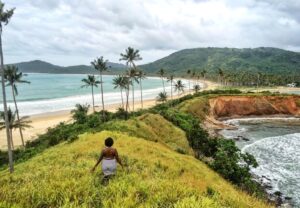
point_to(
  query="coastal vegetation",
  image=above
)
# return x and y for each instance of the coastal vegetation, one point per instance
(160, 130)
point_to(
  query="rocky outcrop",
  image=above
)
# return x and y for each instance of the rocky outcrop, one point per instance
(224, 107)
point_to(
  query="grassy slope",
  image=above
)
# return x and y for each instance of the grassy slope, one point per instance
(155, 176)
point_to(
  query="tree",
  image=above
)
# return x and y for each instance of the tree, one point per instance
(171, 79)
(141, 75)
(79, 114)
(119, 82)
(13, 124)
(12, 76)
(162, 97)
(179, 86)
(220, 75)
(5, 16)
(127, 83)
(197, 88)
(203, 73)
(131, 55)
(161, 73)
(189, 73)
(101, 65)
(91, 81)
(132, 74)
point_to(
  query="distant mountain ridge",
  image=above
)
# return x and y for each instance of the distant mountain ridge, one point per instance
(263, 59)
(38, 66)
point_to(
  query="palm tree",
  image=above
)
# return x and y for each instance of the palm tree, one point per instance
(5, 16)
(101, 65)
(141, 75)
(203, 73)
(12, 76)
(119, 82)
(161, 73)
(162, 97)
(131, 55)
(13, 124)
(220, 75)
(179, 86)
(171, 79)
(126, 84)
(193, 76)
(132, 74)
(91, 81)
(188, 73)
(79, 114)
(197, 88)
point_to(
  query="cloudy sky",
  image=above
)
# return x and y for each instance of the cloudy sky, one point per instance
(70, 32)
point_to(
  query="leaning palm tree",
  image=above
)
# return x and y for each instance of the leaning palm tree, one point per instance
(162, 97)
(126, 84)
(119, 82)
(13, 77)
(91, 81)
(101, 65)
(131, 55)
(171, 79)
(4, 19)
(179, 87)
(132, 74)
(161, 73)
(13, 123)
(140, 76)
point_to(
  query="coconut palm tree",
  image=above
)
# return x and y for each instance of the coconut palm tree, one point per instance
(132, 74)
(162, 97)
(5, 16)
(179, 86)
(91, 81)
(119, 82)
(131, 56)
(197, 88)
(188, 74)
(203, 73)
(126, 83)
(171, 79)
(101, 65)
(12, 76)
(140, 76)
(13, 123)
(161, 73)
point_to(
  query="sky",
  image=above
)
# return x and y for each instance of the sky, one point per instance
(71, 32)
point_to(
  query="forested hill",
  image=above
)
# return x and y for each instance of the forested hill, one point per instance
(263, 59)
(38, 66)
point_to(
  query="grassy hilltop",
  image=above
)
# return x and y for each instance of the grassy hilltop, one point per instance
(161, 169)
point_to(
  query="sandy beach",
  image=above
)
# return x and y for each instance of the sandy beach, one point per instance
(41, 122)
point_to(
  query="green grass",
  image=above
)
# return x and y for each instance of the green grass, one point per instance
(155, 176)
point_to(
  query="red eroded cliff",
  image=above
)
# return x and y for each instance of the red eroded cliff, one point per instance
(241, 106)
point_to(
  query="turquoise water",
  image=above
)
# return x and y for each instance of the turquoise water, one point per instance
(275, 143)
(54, 92)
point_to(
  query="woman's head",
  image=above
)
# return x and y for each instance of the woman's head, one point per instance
(109, 142)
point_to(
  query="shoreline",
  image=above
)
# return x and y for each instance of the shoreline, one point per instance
(41, 122)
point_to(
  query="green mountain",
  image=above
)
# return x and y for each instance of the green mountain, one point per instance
(263, 59)
(38, 66)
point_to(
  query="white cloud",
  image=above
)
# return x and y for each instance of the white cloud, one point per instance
(75, 32)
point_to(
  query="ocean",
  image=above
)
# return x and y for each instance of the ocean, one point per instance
(56, 92)
(275, 143)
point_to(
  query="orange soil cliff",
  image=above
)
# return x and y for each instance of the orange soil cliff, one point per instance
(241, 106)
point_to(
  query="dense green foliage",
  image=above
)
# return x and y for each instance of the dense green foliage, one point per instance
(279, 66)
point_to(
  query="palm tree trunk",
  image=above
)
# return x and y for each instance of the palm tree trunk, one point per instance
(11, 139)
(122, 97)
(141, 87)
(18, 117)
(162, 79)
(101, 82)
(93, 99)
(132, 95)
(127, 101)
(171, 89)
(10, 155)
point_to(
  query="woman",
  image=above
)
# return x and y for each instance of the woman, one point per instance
(110, 157)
